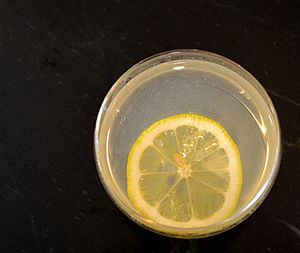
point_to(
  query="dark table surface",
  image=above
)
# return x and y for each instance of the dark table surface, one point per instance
(59, 58)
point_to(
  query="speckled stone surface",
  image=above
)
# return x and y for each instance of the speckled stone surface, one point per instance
(59, 58)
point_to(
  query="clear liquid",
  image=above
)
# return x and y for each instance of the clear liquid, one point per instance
(188, 91)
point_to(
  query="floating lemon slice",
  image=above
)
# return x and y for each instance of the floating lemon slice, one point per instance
(184, 171)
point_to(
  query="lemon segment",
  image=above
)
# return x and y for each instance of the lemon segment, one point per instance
(184, 171)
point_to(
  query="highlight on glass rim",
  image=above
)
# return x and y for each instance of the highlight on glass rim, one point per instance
(187, 143)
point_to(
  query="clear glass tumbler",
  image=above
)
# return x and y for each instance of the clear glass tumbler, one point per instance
(189, 81)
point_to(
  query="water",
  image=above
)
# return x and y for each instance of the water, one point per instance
(184, 89)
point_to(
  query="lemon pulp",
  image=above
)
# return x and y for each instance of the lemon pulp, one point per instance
(184, 171)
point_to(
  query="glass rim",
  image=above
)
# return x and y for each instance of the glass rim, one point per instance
(107, 180)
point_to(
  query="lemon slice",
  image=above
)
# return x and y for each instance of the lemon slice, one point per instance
(184, 171)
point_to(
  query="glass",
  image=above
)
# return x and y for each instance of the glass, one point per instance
(189, 81)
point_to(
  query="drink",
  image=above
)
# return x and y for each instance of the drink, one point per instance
(203, 85)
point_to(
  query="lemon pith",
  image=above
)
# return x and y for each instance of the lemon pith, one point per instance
(184, 171)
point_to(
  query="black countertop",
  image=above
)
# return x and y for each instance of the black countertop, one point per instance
(59, 58)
